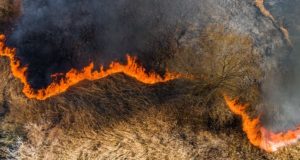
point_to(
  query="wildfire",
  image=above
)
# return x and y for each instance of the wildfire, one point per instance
(257, 134)
(74, 76)
(260, 5)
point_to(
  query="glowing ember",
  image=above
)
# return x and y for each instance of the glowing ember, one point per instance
(74, 76)
(257, 134)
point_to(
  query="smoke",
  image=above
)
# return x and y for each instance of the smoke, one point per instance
(282, 88)
(56, 35)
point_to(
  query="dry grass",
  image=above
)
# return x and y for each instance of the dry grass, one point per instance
(120, 118)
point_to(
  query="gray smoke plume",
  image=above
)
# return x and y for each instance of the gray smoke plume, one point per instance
(56, 35)
(282, 89)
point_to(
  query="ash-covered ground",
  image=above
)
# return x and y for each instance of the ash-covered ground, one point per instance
(228, 46)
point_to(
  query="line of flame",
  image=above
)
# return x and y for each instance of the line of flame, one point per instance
(260, 5)
(258, 135)
(131, 69)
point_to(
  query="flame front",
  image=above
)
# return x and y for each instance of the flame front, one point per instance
(257, 134)
(74, 76)
(260, 5)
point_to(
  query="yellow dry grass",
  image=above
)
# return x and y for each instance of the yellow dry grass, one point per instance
(119, 118)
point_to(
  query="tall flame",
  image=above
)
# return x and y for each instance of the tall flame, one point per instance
(74, 76)
(258, 135)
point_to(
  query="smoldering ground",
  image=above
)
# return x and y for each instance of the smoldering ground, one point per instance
(281, 89)
(192, 125)
(56, 35)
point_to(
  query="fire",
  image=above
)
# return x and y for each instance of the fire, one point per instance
(131, 69)
(260, 5)
(258, 135)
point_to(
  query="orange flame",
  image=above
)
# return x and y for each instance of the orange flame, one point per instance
(257, 134)
(74, 76)
(260, 5)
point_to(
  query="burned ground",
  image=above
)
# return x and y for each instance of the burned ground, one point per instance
(121, 118)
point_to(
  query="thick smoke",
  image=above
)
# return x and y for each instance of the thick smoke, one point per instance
(282, 89)
(56, 35)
